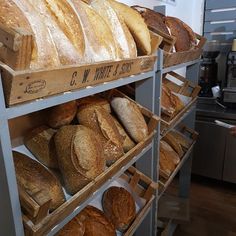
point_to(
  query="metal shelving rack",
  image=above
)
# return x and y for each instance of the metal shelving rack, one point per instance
(10, 217)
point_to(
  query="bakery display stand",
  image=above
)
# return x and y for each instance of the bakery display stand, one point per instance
(11, 215)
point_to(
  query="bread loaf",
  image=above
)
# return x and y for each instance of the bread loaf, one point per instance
(128, 142)
(73, 228)
(181, 139)
(170, 152)
(119, 206)
(37, 181)
(131, 118)
(19, 14)
(95, 222)
(41, 143)
(126, 45)
(80, 156)
(167, 166)
(95, 100)
(99, 40)
(173, 142)
(62, 114)
(185, 37)
(136, 25)
(101, 122)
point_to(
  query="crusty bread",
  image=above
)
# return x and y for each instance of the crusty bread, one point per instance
(41, 143)
(73, 228)
(128, 142)
(95, 222)
(119, 206)
(167, 166)
(154, 20)
(99, 40)
(182, 140)
(185, 37)
(17, 14)
(173, 142)
(170, 152)
(131, 118)
(95, 100)
(62, 114)
(80, 156)
(101, 122)
(37, 181)
(121, 33)
(136, 25)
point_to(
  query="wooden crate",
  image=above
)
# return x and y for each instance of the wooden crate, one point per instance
(188, 89)
(37, 219)
(175, 58)
(22, 84)
(166, 179)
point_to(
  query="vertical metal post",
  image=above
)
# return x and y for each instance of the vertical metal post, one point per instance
(10, 216)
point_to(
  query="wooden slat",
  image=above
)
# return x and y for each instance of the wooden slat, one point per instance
(220, 16)
(218, 4)
(134, 180)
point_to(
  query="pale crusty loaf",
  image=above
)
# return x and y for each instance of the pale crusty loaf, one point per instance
(62, 114)
(99, 41)
(101, 122)
(41, 143)
(136, 25)
(128, 142)
(119, 206)
(95, 222)
(170, 152)
(95, 100)
(73, 228)
(131, 118)
(80, 156)
(37, 181)
(121, 33)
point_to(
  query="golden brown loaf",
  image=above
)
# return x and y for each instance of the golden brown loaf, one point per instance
(154, 20)
(182, 140)
(73, 228)
(126, 44)
(37, 181)
(167, 166)
(80, 156)
(170, 152)
(185, 37)
(95, 222)
(101, 122)
(131, 118)
(99, 41)
(62, 114)
(119, 206)
(41, 143)
(128, 142)
(173, 142)
(136, 25)
(95, 100)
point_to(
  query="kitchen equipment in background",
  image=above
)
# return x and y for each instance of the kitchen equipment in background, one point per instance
(229, 92)
(209, 68)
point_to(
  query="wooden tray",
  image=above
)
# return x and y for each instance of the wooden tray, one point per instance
(37, 219)
(175, 58)
(188, 89)
(166, 179)
(22, 84)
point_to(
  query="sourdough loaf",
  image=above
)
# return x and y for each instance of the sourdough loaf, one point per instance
(168, 150)
(95, 222)
(41, 143)
(37, 181)
(80, 156)
(62, 114)
(119, 206)
(101, 122)
(126, 45)
(136, 25)
(181, 139)
(185, 37)
(166, 164)
(131, 118)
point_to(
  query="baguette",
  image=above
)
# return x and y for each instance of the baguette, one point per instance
(41, 144)
(131, 118)
(101, 122)
(80, 156)
(37, 181)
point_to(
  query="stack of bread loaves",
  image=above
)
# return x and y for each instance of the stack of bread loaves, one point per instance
(75, 32)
